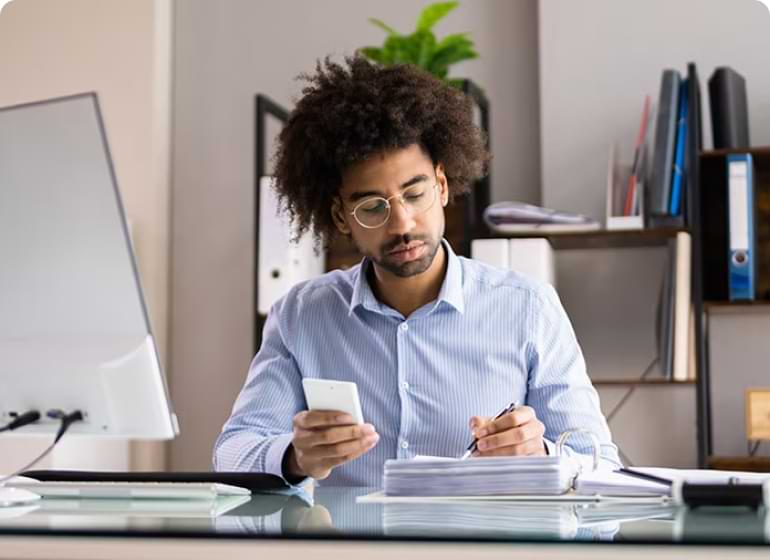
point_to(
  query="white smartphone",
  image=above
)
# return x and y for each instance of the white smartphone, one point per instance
(323, 394)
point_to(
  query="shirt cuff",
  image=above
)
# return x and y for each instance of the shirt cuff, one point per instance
(274, 457)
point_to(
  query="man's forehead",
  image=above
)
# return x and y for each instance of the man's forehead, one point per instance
(386, 170)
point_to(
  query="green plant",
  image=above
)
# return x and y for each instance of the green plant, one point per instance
(421, 47)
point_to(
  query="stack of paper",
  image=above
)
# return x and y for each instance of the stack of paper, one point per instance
(482, 476)
(518, 217)
(480, 519)
(614, 483)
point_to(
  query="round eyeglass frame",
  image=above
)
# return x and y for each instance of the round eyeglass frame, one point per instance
(399, 196)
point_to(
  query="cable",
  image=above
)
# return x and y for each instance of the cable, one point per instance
(623, 400)
(21, 420)
(631, 390)
(753, 448)
(66, 421)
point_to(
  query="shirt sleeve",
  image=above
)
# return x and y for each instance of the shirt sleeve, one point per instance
(259, 429)
(558, 387)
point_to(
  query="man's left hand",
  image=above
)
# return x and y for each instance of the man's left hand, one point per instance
(517, 433)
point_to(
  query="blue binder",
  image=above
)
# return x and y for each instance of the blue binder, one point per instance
(675, 207)
(741, 248)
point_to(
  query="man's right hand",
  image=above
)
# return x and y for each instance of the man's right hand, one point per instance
(326, 439)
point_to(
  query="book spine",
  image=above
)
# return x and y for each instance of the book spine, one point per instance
(729, 109)
(665, 131)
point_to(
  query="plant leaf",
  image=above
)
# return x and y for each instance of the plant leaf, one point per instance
(452, 49)
(384, 26)
(399, 50)
(426, 47)
(434, 12)
(372, 53)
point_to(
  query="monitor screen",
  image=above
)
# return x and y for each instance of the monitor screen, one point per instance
(74, 330)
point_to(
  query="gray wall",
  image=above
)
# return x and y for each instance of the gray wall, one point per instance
(225, 53)
(598, 58)
(738, 361)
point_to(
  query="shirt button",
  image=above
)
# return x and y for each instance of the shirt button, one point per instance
(405, 385)
(404, 444)
(404, 327)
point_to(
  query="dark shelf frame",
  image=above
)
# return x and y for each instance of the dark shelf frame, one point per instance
(264, 107)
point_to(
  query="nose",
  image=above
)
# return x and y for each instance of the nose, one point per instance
(401, 220)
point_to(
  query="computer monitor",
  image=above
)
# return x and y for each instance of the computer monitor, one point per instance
(74, 329)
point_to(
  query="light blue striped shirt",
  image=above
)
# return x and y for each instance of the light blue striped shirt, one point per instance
(491, 337)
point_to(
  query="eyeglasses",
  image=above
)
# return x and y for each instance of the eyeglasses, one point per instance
(374, 212)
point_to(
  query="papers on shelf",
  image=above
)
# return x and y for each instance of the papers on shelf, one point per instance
(518, 217)
(483, 476)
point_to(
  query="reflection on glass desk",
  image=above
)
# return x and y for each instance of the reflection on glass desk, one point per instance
(334, 512)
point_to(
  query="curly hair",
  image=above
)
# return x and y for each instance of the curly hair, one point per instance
(348, 114)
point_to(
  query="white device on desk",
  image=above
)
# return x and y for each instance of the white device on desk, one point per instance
(323, 394)
(75, 337)
(131, 490)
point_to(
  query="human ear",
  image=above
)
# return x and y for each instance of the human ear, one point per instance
(443, 184)
(338, 217)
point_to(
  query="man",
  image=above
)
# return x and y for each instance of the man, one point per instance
(436, 343)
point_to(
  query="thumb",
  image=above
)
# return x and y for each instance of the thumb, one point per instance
(478, 421)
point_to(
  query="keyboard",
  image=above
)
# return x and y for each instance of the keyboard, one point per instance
(130, 490)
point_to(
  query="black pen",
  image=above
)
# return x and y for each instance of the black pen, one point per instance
(472, 447)
(645, 476)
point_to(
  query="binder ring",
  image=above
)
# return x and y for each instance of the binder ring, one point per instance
(594, 443)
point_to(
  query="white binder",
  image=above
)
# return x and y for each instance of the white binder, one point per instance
(741, 255)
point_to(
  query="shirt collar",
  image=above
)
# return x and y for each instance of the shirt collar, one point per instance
(451, 289)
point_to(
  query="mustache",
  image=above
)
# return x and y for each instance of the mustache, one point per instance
(401, 240)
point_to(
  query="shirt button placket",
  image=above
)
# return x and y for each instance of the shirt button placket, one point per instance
(403, 444)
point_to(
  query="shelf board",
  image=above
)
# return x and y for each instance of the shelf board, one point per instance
(632, 381)
(602, 238)
(757, 151)
(753, 464)
(756, 304)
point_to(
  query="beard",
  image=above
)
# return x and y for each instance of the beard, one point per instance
(397, 267)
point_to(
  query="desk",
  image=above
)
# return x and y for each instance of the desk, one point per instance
(333, 525)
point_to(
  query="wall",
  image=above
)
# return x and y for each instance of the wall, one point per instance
(598, 58)
(121, 50)
(225, 53)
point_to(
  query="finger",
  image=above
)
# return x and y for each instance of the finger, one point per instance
(533, 430)
(478, 421)
(347, 450)
(327, 436)
(309, 419)
(520, 416)
(326, 463)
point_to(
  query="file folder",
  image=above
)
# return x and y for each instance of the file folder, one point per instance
(741, 254)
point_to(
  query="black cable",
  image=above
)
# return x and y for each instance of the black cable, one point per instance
(753, 448)
(66, 421)
(623, 400)
(28, 417)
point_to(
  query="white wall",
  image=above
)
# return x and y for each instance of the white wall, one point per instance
(598, 58)
(121, 50)
(225, 53)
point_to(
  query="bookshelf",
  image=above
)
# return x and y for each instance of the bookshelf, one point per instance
(712, 186)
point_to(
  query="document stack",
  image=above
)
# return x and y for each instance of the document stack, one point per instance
(523, 219)
(482, 476)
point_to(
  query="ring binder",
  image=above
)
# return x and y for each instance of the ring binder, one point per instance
(564, 436)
